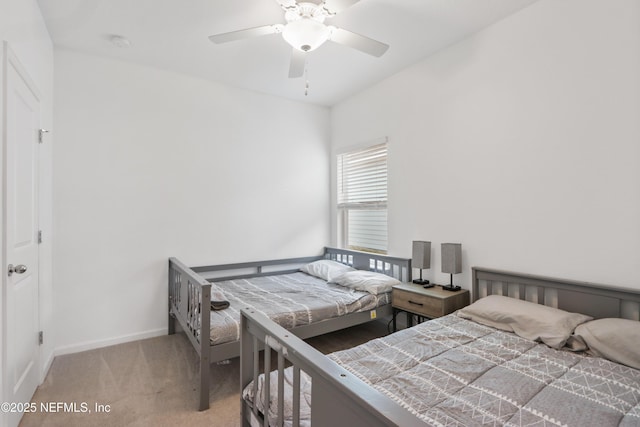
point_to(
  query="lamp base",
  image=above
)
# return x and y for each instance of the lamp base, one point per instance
(451, 288)
(423, 282)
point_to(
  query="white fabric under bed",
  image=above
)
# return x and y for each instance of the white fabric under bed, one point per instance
(289, 299)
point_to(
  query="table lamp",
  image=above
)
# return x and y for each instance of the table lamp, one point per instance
(421, 258)
(451, 254)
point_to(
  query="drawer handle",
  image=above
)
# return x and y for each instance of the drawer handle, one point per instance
(416, 303)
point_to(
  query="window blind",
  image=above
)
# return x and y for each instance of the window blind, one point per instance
(362, 197)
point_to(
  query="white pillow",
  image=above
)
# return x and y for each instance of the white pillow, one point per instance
(325, 269)
(615, 339)
(368, 281)
(532, 321)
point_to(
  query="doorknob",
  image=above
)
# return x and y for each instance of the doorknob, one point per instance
(19, 269)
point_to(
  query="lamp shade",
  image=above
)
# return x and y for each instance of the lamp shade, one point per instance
(421, 254)
(452, 258)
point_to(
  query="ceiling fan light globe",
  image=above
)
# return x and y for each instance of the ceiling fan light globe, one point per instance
(306, 34)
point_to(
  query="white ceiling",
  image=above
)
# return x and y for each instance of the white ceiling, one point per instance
(172, 35)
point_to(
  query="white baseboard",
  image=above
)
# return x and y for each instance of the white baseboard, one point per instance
(91, 345)
(46, 367)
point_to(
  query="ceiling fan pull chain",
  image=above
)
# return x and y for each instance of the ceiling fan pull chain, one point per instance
(306, 77)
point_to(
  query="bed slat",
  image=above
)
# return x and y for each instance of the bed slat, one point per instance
(296, 396)
(267, 383)
(280, 389)
(256, 370)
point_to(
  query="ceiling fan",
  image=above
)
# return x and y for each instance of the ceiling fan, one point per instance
(305, 31)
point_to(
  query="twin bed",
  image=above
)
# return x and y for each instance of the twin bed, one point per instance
(484, 365)
(304, 303)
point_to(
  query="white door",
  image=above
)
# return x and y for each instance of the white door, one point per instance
(22, 123)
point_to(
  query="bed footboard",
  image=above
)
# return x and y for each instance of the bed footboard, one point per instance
(338, 397)
(187, 292)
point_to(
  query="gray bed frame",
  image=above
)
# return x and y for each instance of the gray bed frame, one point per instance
(339, 398)
(188, 286)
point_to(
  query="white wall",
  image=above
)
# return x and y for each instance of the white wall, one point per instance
(22, 25)
(521, 142)
(152, 164)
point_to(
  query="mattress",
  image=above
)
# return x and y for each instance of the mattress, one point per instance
(290, 300)
(454, 372)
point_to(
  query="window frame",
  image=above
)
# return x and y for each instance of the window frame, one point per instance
(344, 206)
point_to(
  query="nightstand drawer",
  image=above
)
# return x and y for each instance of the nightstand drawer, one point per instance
(419, 304)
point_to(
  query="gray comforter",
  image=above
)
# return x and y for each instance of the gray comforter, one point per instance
(454, 372)
(290, 300)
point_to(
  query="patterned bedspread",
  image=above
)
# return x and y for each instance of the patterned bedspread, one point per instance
(289, 299)
(454, 372)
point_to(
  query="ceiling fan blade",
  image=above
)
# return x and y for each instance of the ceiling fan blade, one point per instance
(335, 6)
(356, 41)
(298, 59)
(249, 32)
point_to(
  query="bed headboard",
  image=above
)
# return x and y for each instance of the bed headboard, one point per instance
(400, 268)
(595, 300)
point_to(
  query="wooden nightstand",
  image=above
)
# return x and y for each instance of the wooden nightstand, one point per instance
(430, 302)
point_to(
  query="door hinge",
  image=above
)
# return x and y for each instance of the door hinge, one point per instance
(39, 236)
(40, 337)
(41, 133)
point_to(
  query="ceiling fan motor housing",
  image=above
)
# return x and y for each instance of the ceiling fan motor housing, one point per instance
(305, 10)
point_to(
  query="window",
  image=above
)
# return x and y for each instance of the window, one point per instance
(362, 199)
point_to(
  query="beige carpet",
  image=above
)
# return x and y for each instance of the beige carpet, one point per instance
(153, 382)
